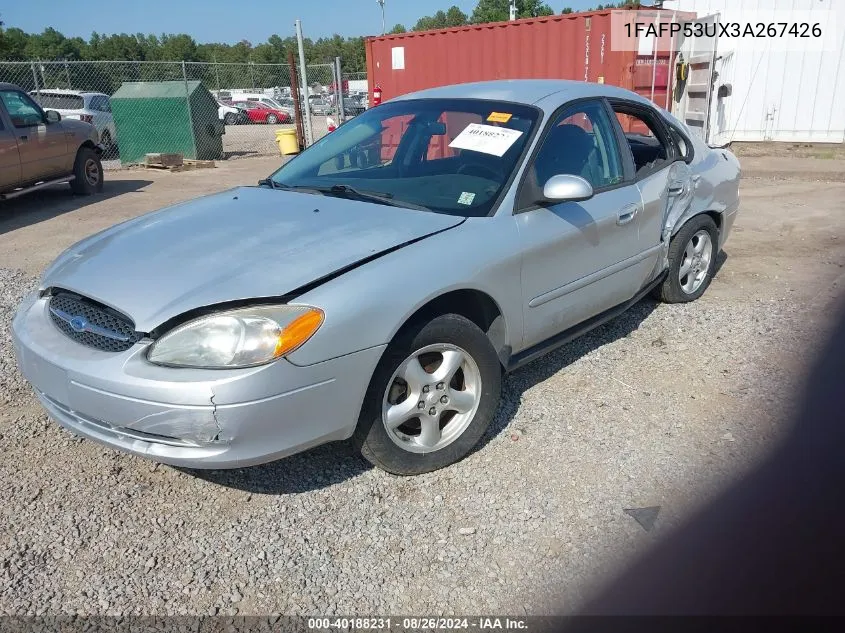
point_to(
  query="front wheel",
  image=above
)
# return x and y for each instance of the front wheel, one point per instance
(272, 119)
(88, 173)
(230, 118)
(692, 261)
(432, 396)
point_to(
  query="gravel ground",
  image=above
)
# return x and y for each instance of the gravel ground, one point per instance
(662, 407)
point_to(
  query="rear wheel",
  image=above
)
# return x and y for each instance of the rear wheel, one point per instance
(431, 398)
(272, 119)
(230, 118)
(692, 261)
(107, 143)
(88, 172)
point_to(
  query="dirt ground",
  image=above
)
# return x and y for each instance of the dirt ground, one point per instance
(662, 407)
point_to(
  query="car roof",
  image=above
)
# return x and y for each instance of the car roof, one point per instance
(526, 91)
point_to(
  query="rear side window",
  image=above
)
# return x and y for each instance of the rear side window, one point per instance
(100, 103)
(646, 138)
(682, 143)
(58, 101)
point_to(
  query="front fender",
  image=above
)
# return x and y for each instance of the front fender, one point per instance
(367, 306)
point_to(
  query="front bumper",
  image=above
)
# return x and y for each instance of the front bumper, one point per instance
(188, 417)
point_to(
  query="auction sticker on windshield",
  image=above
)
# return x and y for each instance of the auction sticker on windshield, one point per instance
(486, 138)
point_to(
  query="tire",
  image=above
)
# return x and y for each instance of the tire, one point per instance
(109, 146)
(88, 172)
(272, 119)
(451, 432)
(693, 236)
(230, 118)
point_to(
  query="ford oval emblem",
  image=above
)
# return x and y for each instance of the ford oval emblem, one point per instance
(78, 324)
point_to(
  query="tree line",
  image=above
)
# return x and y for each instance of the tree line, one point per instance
(497, 11)
(52, 45)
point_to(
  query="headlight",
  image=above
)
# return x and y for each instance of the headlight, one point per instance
(237, 338)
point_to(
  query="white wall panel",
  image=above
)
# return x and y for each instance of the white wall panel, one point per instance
(780, 95)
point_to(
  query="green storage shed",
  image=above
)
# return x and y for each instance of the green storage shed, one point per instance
(167, 117)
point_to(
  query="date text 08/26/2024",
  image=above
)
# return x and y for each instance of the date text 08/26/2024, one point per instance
(418, 623)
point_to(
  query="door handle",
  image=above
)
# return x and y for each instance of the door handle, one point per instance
(627, 214)
(677, 189)
(23, 138)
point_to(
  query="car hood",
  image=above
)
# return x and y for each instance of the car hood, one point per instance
(248, 242)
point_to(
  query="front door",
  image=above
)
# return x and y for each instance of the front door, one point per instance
(42, 147)
(580, 258)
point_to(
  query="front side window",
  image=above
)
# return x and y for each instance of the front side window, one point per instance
(452, 156)
(23, 111)
(580, 142)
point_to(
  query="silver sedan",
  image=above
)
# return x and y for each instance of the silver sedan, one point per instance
(378, 286)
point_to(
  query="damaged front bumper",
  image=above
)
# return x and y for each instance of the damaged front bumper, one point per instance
(188, 417)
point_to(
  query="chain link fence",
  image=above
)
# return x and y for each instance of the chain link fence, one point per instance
(206, 111)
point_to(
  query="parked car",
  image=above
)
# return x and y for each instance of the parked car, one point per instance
(90, 107)
(377, 287)
(320, 105)
(269, 102)
(39, 149)
(352, 107)
(230, 115)
(259, 113)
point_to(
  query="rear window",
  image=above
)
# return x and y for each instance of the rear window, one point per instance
(56, 101)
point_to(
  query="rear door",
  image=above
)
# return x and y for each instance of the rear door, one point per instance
(10, 162)
(579, 258)
(660, 171)
(42, 147)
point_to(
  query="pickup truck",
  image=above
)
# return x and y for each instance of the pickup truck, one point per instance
(39, 149)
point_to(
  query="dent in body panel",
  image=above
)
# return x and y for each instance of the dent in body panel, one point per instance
(715, 179)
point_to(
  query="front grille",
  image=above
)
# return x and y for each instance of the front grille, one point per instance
(91, 324)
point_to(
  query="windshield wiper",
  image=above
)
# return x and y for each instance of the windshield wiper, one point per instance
(269, 182)
(369, 196)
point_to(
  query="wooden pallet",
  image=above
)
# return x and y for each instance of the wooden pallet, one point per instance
(175, 162)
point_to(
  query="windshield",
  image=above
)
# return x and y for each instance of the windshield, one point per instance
(451, 156)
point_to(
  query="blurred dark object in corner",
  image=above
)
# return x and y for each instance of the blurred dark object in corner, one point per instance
(774, 544)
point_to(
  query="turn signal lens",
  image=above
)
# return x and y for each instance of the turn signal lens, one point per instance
(298, 331)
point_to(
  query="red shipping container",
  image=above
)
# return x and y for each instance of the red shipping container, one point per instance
(574, 46)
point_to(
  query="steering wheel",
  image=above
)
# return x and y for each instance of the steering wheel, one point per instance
(480, 170)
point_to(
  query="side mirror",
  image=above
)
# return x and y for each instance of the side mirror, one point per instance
(567, 188)
(53, 116)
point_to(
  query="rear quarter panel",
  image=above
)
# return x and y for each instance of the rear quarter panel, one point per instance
(717, 188)
(717, 173)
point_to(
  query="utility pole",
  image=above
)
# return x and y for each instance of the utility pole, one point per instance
(309, 134)
(381, 4)
(512, 9)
